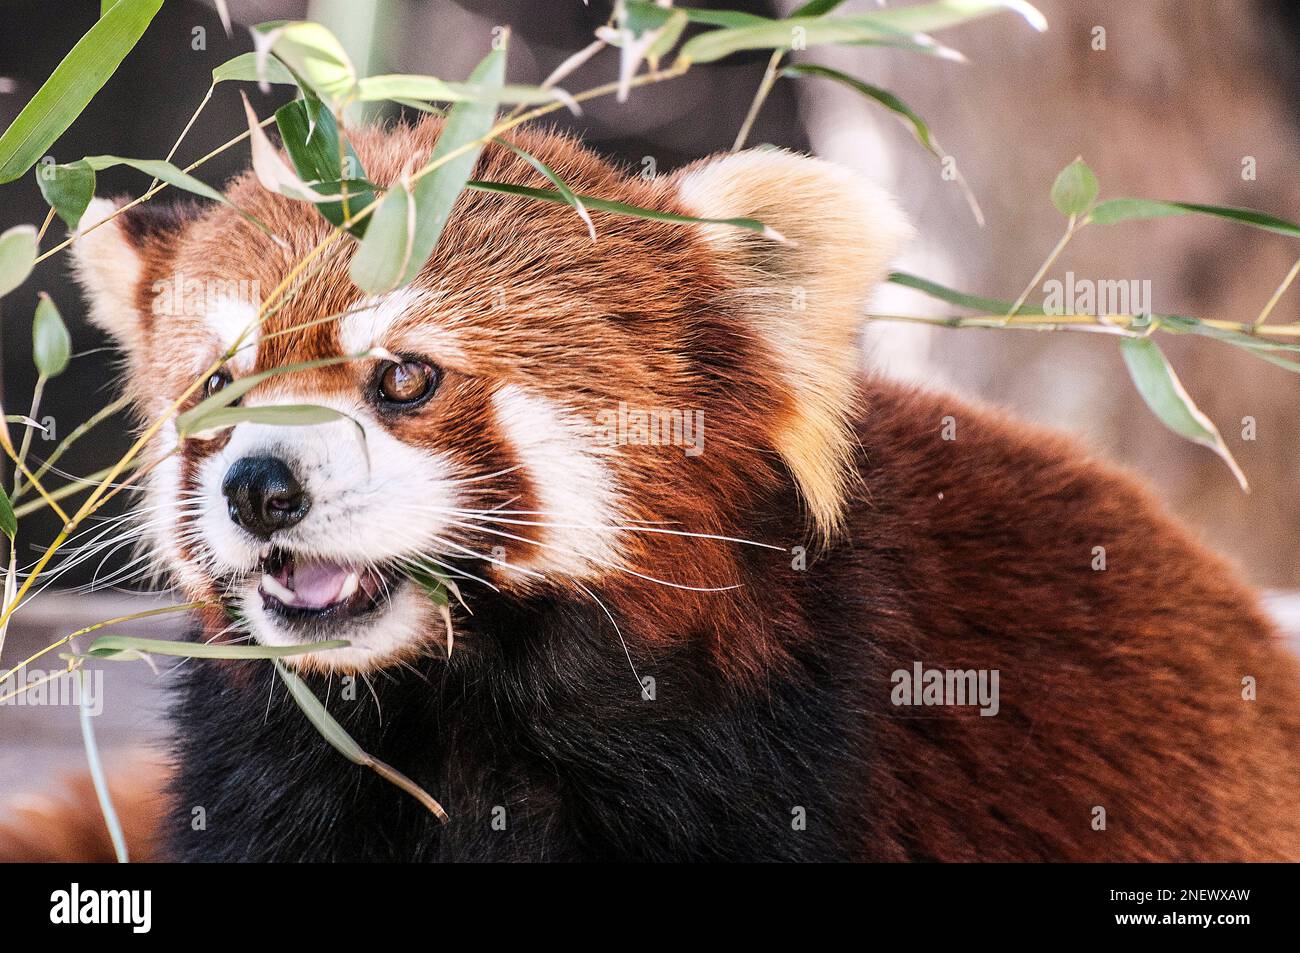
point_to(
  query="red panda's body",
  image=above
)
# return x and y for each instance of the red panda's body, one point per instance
(1121, 689)
(664, 654)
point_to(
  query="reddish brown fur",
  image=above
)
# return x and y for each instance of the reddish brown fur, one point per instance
(68, 826)
(1120, 688)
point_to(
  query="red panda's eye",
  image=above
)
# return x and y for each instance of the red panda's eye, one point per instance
(217, 382)
(407, 382)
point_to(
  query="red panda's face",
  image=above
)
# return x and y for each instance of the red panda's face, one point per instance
(536, 412)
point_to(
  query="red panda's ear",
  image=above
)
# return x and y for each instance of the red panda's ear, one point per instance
(109, 256)
(806, 296)
(108, 264)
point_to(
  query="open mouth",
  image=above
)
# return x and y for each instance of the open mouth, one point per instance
(302, 588)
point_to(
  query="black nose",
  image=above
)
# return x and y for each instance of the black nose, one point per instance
(263, 495)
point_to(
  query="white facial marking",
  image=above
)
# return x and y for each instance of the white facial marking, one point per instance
(373, 502)
(368, 323)
(228, 318)
(574, 488)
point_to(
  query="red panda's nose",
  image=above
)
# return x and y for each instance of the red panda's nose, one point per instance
(263, 495)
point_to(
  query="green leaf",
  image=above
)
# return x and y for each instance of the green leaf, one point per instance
(882, 96)
(67, 188)
(560, 185)
(432, 582)
(321, 719)
(111, 646)
(18, 250)
(192, 420)
(83, 172)
(383, 259)
(642, 16)
(925, 17)
(668, 36)
(623, 208)
(900, 23)
(1168, 399)
(312, 52)
(73, 84)
(974, 302)
(725, 18)
(344, 744)
(1125, 210)
(279, 415)
(413, 223)
(8, 521)
(51, 346)
(431, 89)
(311, 137)
(1075, 189)
(96, 769)
(816, 8)
(244, 67)
(779, 35)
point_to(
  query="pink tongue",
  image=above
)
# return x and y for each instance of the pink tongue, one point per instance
(316, 585)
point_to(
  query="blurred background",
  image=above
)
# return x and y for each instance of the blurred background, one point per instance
(1171, 99)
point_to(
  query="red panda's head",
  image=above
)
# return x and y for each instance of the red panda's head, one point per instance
(558, 410)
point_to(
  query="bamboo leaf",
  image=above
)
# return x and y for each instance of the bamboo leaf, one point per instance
(271, 170)
(279, 415)
(381, 262)
(882, 96)
(925, 17)
(899, 23)
(311, 52)
(18, 250)
(72, 85)
(413, 222)
(51, 346)
(816, 8)
(1125, 210)
(398, 87)
(8, 521)
(438, 588)
(732, 19)
(974, 302)
(344, 744)
(311, 137)
(97, 769)
(112, 646)
(1168, 399)
(67, 188)
(623, 208)
(560, 185)
(83, 175)
(192, 420)
(321, 719)
(667, 36)
(1075, 189)
(244, 67)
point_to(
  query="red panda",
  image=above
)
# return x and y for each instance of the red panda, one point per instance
(737, 643)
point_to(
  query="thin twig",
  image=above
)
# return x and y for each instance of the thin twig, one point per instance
(1281, 290)
(760, 96)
